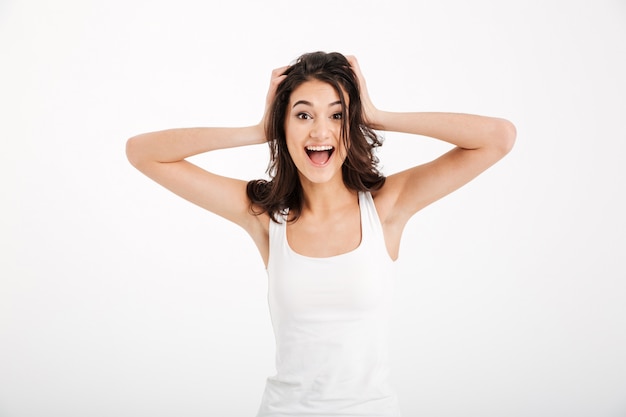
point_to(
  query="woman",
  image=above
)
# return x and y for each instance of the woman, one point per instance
(327, 224)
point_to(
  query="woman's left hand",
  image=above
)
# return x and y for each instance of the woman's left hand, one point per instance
(371, 113)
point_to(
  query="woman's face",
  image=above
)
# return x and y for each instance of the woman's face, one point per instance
(313, 132)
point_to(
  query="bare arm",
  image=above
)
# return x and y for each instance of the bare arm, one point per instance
(174, 145)
(161, 156)
(479, 141)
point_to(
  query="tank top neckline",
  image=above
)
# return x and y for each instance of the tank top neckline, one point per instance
(291, 251)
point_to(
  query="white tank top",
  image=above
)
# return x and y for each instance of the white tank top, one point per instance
(330, 319)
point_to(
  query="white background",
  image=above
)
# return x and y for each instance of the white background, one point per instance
(119, 299)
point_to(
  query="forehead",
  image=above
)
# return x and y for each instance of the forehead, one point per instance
(315, 92)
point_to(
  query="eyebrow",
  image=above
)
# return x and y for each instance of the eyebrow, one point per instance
(308, 103)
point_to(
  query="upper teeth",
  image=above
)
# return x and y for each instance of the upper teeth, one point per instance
(319, 148)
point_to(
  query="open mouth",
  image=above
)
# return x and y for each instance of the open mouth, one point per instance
(319, 155)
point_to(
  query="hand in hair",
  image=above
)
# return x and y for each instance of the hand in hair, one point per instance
(277, 77)
(370, 111)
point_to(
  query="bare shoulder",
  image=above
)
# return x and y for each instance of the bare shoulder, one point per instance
(402, 195)
(387, 197)
(392, 219)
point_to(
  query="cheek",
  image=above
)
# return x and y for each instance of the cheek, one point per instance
(293, 137)
(343, 147)
(291, 147)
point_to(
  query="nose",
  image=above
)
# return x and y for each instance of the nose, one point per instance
(321, 128)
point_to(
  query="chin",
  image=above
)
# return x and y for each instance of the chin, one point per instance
(320, 178)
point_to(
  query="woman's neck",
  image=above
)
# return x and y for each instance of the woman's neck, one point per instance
(327, 198)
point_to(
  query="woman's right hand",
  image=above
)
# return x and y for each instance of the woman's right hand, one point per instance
(276, 78)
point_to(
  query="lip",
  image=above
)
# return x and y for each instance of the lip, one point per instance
(330, 157)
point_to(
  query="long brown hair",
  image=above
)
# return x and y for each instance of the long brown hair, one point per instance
(360, 168)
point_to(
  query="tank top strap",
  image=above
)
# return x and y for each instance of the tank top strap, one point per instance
(278, 237)
(371, 228)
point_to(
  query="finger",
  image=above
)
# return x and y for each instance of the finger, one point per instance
(271, 93)
(277, 72)
(353, 62)
(276, 82)
(277, 78)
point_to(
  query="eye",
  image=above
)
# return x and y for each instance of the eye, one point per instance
(303, 116)
(337, 116)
